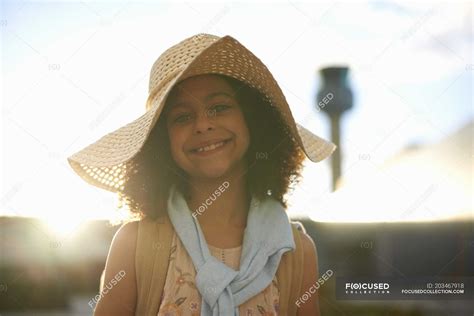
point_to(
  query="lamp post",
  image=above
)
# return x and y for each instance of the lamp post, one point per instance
(334, 98)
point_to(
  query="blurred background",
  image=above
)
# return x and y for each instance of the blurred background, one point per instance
(389, 81)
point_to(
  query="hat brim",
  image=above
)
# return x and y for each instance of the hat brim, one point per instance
(104, 162)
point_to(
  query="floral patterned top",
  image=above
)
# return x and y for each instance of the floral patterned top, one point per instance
(181, 296)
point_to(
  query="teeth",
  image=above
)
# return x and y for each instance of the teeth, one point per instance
(210, 147)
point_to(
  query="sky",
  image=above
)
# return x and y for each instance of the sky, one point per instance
(74, 71)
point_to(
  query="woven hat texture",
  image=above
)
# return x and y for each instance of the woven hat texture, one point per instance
(104, 163)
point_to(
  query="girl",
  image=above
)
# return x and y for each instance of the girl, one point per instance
(215, 153)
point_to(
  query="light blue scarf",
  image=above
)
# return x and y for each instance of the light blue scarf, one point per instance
(267, 236)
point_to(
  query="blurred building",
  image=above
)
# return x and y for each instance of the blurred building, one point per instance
(421, 183)
(41, 270)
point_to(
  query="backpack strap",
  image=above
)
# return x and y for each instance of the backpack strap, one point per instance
(151, 263)
(290, 274)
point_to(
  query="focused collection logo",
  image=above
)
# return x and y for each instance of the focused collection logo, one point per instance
(367, 288)
(406, 288)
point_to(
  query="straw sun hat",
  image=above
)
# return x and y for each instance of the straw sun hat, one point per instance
(104, 163)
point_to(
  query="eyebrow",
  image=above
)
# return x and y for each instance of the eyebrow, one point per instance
(207, 98)
(215, 94)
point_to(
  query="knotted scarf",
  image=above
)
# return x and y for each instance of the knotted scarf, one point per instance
(267, 236)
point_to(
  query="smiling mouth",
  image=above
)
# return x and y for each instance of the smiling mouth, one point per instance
(210, 147)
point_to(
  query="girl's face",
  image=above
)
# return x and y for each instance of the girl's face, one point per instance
(206, 127)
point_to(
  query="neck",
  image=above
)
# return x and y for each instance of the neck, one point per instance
(220, 202)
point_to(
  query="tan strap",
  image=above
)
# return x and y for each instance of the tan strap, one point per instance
(290, 274)
(297, 273)
(151, 265)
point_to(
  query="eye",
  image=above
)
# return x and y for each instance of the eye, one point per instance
(182, 118)
(219, 108)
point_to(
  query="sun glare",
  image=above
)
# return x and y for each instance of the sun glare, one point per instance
(62, 227)
(409, 193)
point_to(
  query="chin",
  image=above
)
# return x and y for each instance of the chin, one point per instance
(211, 171)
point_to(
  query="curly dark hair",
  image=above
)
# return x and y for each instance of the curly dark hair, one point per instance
(274, 159)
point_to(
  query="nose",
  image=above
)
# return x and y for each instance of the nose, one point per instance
(204, 122)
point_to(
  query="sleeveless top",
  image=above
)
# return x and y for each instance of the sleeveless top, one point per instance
(181, 296)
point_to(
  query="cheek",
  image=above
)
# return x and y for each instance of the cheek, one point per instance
(244, 133)
(176, 140)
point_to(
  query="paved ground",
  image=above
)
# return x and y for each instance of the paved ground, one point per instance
(79, 307)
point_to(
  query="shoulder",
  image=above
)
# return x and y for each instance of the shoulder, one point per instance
(124, 242)
(126, 235)
(310, 276)
(307, 242)
(123, 248)
(309, 254)
(118, 296)
(309, 247)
